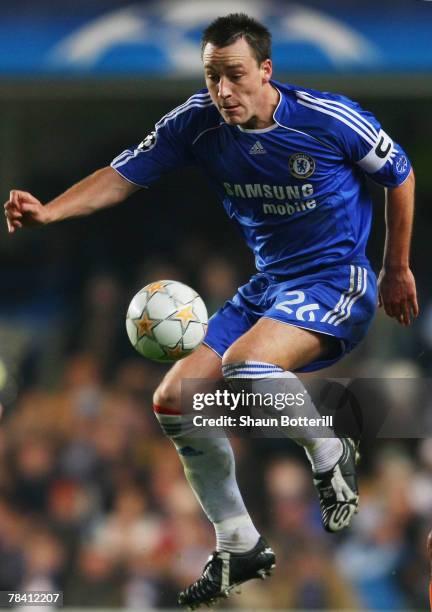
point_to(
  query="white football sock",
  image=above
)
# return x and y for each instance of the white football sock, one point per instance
(322, 452)
(209, 467)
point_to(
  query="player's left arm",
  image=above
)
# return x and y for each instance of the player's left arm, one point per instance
(396, 283)
(364, 142)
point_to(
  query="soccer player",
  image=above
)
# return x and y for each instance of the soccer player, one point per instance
(290, 166)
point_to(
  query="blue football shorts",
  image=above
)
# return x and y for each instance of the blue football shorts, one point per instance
(338, 300)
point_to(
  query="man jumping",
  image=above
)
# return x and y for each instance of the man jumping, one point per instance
(290, 166)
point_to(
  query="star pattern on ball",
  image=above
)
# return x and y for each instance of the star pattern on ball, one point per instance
(159, 286)
(145, 325)
(175, 353)
(185, 316)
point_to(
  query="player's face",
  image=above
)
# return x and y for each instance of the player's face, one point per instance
(238, 85)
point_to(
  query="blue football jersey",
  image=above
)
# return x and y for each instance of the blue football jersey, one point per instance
(297, 189)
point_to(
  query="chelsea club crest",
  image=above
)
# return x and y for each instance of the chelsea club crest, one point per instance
(301, 165)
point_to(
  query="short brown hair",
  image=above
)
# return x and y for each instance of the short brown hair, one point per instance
(226, 30)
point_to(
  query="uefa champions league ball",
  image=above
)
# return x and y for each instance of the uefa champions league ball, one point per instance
(166, 321)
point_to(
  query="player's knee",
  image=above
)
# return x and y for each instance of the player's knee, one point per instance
(235, 354)
(167, 395)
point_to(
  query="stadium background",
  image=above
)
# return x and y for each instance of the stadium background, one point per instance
(92, 499)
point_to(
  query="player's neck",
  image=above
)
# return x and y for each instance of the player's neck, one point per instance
(264, 118)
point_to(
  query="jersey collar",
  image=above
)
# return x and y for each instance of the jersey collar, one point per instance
(281, 111)
(275, 120)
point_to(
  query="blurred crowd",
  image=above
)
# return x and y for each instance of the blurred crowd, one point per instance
(92, 496)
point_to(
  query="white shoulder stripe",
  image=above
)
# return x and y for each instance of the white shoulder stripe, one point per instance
(196, 101)
(344, 109)
(191, 100)
(180, 112)
(127, 155)
(326, 111)
(346, 112)
(195, 98)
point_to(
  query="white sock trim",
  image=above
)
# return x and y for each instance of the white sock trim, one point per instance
(250, 369)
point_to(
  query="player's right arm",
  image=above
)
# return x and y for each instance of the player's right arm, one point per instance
(102, 189)
(164, 149)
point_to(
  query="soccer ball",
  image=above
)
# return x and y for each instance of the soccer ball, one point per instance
(166, 321)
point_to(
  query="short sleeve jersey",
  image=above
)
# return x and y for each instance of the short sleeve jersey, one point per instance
(297, 189)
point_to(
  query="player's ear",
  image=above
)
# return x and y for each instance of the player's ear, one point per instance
(266, 70)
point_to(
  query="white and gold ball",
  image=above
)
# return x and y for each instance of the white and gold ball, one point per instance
(166, 321)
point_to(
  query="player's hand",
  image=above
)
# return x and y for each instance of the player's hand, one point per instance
(23, 210)
(397, 294)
